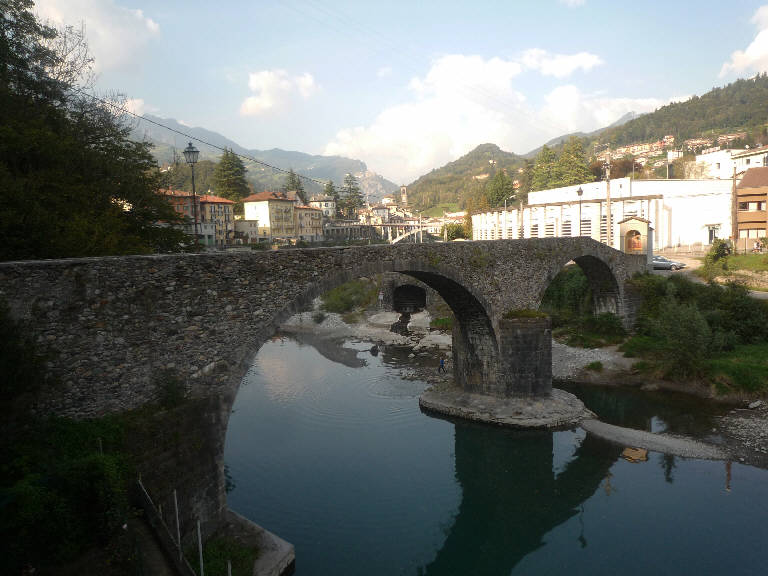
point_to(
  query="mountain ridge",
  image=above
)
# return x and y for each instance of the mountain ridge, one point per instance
(168, 145)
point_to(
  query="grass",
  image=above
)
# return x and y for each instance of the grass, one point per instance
(744, 368)
(589, 331)
(751, 262)
(639, 346)
(217, 551)
(595, 366)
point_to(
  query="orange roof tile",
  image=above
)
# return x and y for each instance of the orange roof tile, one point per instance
(210, 199)
(267, 195)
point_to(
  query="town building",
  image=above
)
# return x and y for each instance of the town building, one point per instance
(680, 212)
(218, 212)
(751, 158)
(308, 224)
(752, 208)
(182, 203)
(274, 212)
(717, 163)
(247, 231)
(325, 203)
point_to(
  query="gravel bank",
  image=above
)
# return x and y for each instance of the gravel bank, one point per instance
(657, 442)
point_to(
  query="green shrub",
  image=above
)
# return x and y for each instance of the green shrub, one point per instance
(595, 366)
(687, 338)
(640, 345)
(607, 325)
(62, 491)
(355, 294)
(568, 295)
(218, 550)
(444, 323)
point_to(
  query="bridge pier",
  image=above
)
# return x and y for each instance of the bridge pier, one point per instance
(525, 357)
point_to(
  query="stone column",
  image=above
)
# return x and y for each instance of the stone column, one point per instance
(525, 357)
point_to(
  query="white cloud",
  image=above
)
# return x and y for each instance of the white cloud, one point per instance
(573, 3)
(755, 56)
(464, 101)
(567, 107)
(559, 65)
(135, 106)
(115, 35)
(274, 89)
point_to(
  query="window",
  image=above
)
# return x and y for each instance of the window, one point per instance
(717, 165)
(566, 228)
(743, 205)
(748, 161)
(534, 231)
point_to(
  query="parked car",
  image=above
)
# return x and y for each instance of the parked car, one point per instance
(661, 263)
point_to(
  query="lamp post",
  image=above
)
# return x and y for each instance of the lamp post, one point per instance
(190, 155)
(579, 192)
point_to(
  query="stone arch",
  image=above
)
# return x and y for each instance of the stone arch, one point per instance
(605, 283)
(475, 345)
(409, 298)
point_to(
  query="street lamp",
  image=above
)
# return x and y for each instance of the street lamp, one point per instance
(579, 192)
(190, 155)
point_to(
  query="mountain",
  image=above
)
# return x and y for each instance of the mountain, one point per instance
(452, 184)
(736, 107)
(560, 140)
(739, 106)
(168, 147)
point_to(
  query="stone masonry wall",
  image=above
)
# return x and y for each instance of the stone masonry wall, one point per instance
(111, 325)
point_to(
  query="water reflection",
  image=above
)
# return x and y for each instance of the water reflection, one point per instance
(512, 497)
(339, 461)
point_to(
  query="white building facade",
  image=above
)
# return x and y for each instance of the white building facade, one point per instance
(681, 212)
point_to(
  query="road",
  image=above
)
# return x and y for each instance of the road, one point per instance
(690, 265)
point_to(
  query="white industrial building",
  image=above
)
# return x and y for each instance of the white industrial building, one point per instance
(681, 212)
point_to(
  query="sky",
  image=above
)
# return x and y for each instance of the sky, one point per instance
(408, 86)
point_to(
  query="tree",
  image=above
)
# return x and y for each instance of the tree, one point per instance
(72, 182)
(351, 198)
(544, 173)
(454, 230)
(293, 183)
(229, 177)
(499, 189)
(572, 165)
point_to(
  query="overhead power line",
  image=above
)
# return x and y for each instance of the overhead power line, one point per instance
(195, 138)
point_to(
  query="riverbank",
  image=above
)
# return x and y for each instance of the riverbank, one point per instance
(743, 431)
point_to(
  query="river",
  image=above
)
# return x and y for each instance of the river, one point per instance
(331, 452)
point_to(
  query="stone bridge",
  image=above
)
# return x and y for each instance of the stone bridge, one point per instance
(115, 329)
(110, 326)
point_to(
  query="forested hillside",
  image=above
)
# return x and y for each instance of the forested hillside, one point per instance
(742, 105)
(453, 185)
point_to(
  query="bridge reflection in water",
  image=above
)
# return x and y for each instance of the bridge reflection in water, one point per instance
(513, 495)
